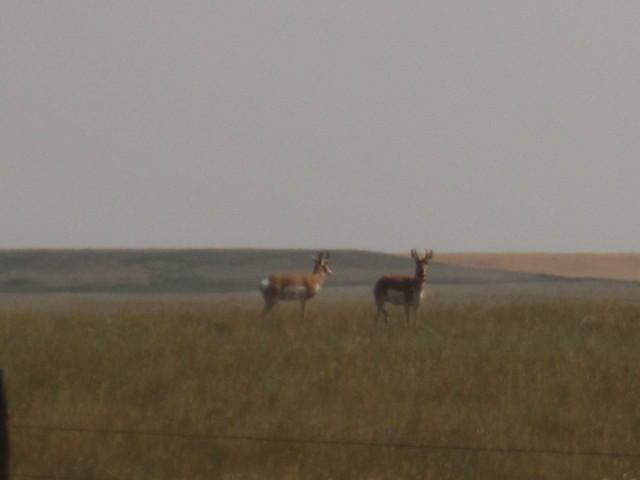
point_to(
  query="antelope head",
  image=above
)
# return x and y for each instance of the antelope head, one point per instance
(321, 263)
(421, 263)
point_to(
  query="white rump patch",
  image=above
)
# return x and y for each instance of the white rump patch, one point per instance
(293, 292)
(395, 297)
(264, 284)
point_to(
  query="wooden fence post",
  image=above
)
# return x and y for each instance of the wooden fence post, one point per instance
(4, 431)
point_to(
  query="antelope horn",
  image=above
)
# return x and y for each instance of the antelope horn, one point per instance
(414, 253)
(428, 254)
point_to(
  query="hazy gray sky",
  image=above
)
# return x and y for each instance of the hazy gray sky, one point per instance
(453, 125)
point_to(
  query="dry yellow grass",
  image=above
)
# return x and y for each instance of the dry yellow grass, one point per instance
(552, 376)
(614, 266)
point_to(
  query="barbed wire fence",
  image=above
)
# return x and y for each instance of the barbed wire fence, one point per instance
(6, 427)
(334, 442)
(4, 431)
(305, 441)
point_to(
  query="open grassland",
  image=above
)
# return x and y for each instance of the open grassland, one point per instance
(613, 266)
(517, 383)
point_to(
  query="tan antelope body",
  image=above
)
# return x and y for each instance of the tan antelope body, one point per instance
(403, 289)
(295, 286)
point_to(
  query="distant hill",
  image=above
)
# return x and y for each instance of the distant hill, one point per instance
(211, 270)
(613, 266)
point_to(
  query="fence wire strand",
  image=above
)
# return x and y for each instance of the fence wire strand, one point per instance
(59, 477)
(329, 442)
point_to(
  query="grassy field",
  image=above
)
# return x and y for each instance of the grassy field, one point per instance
(554, 376)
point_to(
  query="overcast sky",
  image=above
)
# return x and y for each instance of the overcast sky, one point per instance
(452, 125)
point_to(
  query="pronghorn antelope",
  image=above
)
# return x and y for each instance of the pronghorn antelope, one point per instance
(403, 289)
(295, 286)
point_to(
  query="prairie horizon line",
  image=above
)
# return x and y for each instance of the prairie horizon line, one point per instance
(279, 249)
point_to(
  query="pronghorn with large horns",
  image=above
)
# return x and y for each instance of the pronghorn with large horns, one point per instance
(403, 289)
(295, 286)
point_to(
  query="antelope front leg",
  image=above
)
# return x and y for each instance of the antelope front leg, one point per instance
(381, 310)
(268, 305)
(407, 314)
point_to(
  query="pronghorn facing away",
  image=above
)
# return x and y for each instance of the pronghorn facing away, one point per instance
(295, 286)
(403, 290)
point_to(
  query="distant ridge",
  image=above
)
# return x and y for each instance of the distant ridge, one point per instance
(211, 270)
(612, 266)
